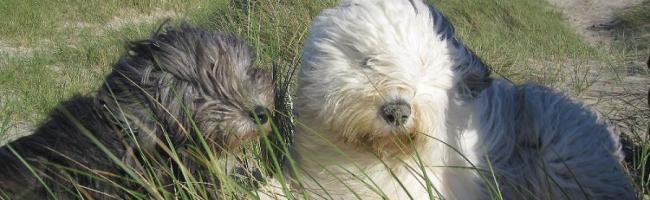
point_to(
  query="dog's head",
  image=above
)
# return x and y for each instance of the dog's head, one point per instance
(192, 81)
(378, 73)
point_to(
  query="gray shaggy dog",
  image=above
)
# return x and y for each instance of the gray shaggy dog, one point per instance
(183, 86)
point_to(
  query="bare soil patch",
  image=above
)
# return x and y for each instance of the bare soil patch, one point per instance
(593, 18)
(620, 89)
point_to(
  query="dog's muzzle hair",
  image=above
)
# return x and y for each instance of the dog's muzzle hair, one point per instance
(183, 86)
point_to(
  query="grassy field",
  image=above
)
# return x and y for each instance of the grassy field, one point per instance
(50, 50)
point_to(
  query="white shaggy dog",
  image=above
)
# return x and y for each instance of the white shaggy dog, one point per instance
(391, 105)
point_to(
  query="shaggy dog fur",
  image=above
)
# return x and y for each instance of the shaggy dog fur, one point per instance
(543, 145)
(391, 105)
(180, 85)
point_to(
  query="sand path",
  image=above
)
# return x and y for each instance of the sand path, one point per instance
(618, 92)
(593, 18)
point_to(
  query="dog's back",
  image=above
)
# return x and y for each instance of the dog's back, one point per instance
(63, 140)
(544, 145)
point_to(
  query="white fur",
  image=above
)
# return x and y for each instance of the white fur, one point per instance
(358, 56)
(365, 53)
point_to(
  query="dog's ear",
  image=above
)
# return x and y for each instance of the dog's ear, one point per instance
(140, 48)
(474, 73)
(179, 51)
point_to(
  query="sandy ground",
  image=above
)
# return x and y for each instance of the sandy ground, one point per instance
(618, 92)
(15, 131)
(9, 50)
(592, 18)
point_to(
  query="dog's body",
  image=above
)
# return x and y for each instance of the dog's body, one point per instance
(542, 145)
(391, 105)
(163, 97)
(62, 135)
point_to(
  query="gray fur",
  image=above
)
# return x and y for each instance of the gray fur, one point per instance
(159, 88)
(543, 145)
(473, 72)
(540, 143)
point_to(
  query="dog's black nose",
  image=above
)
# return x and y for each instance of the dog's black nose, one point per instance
(258, 114)
(396, 113)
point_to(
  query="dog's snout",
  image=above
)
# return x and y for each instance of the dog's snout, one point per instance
(258, 114)
(396, 113)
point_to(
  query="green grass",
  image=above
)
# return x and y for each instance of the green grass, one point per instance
(70, 45)
(519, 39)
(53, 49)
